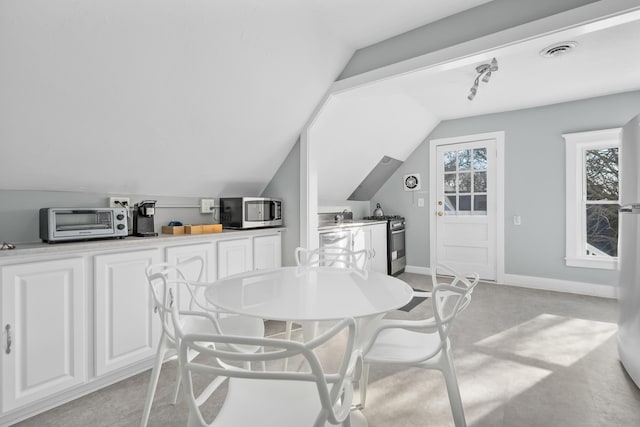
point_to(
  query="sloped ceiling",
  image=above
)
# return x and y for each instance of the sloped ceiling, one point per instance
(393, 115)
(174, 97)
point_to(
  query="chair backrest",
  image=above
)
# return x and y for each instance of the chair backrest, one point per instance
(456, 279)
(328, 256)
(448, 301)
(168, 283)
(334, 390)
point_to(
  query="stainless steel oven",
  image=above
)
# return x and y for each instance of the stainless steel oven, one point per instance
(397, 259)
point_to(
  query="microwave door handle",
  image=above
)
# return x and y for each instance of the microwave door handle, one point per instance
(276, 214)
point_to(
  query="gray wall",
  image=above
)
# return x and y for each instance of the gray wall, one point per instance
(285, 185)
(534, 182)
(19, 210)
(480, 21)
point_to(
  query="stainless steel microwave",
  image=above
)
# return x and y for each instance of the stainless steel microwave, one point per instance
(250, 212)
(63, 224)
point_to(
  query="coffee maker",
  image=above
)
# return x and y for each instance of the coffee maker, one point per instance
(143, 213)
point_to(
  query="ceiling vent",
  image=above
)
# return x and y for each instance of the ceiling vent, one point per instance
(558, 49)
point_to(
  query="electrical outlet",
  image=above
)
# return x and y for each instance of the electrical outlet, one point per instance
(119, 202)
(207, 205)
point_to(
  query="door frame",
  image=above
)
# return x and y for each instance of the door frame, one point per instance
(433, 144)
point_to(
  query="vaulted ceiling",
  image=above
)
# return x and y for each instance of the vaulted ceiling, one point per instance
(174, 97)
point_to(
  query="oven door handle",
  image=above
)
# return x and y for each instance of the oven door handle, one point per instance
(397, 231)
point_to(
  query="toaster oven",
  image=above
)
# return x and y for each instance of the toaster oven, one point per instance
(63, 224)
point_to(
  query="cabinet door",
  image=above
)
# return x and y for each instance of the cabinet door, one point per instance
(377, 243)
(267, 252)
(127, 328)
(234, 256)
(192, 270)
(44, 336)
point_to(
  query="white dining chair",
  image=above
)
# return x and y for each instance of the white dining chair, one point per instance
(271, 397)
(167, 282)
(333, 257)
(423, 343)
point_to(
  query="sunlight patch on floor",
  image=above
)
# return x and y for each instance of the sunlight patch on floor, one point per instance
(551, 339)
(486, 382)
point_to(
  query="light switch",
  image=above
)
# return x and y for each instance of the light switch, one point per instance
(517, 220)
(421, 202)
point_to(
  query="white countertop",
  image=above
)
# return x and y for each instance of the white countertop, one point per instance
(35, 248)
(347, 223)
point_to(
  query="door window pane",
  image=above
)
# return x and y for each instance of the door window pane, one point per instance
(464, 160)
(450, 161)
(450, 204)
(450, 183)
(602, 229)
(480, 204)
(464, 183)
(601, 173)
(465, 203)
(480, 182)
(480, 159)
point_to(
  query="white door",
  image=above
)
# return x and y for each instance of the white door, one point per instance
(127, 327)
(234, 256)
(466, 203)
(44, 320)
(267, 252)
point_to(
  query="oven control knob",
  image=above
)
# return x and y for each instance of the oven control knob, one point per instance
(119, 217)
(120, 226)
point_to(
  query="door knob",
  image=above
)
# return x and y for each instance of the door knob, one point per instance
(440, 213)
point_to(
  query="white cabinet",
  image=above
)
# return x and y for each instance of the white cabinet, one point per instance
(267, 252)
(376, 236)
(127, 329)
(234, 256)
(44, 336)
(193, 270)
(371, 237)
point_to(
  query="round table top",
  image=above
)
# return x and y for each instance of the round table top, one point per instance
(309, 293)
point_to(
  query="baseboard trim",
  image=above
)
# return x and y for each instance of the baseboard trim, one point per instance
(418, 270)
(567, 286)
(543, 283)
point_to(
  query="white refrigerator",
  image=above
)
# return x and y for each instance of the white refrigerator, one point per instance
(629, 245)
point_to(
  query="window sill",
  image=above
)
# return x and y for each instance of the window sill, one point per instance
(593, 262)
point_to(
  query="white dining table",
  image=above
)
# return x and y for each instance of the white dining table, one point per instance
(308, 294)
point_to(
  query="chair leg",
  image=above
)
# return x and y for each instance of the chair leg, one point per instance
(364, 381)
(176, 391)
(453, 390)
(288, 330)
(153, 381)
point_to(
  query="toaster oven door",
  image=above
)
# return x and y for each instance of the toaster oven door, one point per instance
(83, 222)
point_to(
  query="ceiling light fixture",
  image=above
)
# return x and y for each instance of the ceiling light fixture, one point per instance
(483, 71)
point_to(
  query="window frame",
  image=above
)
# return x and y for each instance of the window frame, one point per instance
(576, 144)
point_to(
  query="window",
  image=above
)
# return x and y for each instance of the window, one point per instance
(592, 198)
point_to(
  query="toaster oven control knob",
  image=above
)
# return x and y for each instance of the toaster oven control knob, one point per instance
(120, 226)
(120, 217)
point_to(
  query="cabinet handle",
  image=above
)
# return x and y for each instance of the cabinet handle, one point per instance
(8, 329)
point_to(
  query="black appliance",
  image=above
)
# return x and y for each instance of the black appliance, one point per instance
(143, 218)
(396, 256)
